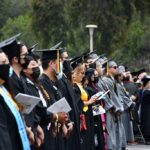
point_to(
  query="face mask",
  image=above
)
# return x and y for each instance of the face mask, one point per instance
(59, 76)
(4, 71)
(36, 73)
(96, 79)
(10, 71)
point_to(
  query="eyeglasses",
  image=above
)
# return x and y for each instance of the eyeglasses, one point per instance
(114, 67)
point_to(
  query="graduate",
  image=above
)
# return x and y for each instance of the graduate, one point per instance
(92, 88)
(84, 103)
(51, 73)
(17, 53)
(145, 109)
(65, 86)
(127, 115)
(13, 134)
(119, 140)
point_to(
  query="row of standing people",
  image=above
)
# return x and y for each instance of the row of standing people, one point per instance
(76, 80)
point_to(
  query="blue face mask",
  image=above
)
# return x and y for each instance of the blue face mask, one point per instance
(60, 75)
(10, 71)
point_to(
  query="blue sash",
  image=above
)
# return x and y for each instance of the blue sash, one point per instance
(19, 121)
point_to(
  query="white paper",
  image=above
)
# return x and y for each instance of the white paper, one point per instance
(27, 102)
(98, 110)
(103, 95)
(59, 106)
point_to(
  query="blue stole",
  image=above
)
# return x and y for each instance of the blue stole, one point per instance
(21, 128)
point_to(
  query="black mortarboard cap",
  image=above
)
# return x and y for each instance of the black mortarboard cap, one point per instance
(136, 73)
(57, 46)
(50, 54)
(77, 61)
(145, 80)
(87, 54)
(32, 48)
(10, 46)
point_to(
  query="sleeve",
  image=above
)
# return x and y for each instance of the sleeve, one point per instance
(5, 140)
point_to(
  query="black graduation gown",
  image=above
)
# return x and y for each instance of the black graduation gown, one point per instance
(9, 135)
(145, 115)
(20, 85)
(66, 88)
(39, 115)
(57, 143)
(87, 136)
(98, 128)
(16, 83)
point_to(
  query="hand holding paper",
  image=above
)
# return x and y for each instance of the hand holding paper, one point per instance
(27, 102)
(59, 106)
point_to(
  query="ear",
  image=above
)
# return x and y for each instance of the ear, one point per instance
(15, 59)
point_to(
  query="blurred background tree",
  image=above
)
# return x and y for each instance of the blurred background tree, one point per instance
(123, 26)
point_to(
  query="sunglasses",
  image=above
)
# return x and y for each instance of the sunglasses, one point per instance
(114, 67)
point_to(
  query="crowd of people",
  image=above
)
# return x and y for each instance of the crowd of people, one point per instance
(109, 103)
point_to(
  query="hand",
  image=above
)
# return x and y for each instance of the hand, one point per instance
(70, 128)
(30, 135)
(92, 100)
(39, 136)
(62, 117)
(133, 97)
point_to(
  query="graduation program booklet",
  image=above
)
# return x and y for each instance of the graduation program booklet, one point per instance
(59, 106)
(26, 102)
(103, 95)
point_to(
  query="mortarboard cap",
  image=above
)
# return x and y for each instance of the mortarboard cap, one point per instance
(137, 73)
(32, 48)
(11, 46)
(121, 69)
(57, 46)
(50, 54)
(75, 62)
(145, 80)
(111, 63)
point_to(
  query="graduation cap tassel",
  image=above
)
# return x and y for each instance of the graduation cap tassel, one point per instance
(58, 62)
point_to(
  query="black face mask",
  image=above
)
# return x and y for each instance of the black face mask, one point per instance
(96, 79)
(36, 73)
(4, 71)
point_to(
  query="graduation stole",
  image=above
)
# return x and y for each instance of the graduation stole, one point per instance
(115, 85)
(15, 111)
(84, 96)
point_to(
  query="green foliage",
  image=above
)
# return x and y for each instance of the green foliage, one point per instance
(20, 24)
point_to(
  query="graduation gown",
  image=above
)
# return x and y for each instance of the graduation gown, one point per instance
(126, 115)
(9, 136)
(117, 126)
(39, 115)
(57, 143)
(87, 136)
(66, 88)
(109, 121)
(98, 124)
(16, 83)
(132, 89)
(145, 115)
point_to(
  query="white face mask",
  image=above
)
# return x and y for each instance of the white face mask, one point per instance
(60, 75)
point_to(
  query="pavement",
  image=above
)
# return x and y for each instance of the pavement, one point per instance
(138, 147)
